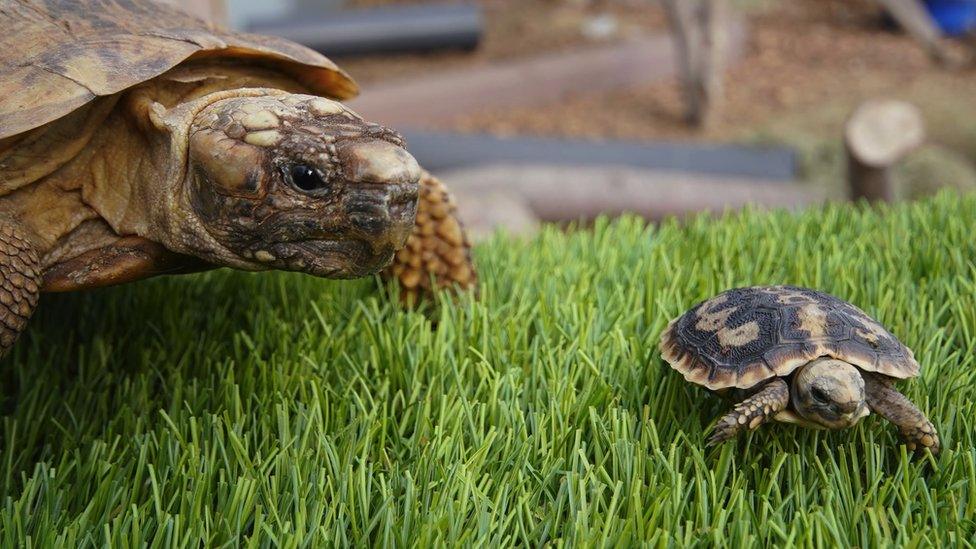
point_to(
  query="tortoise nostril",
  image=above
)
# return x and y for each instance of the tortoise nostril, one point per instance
(401, 194)
(847, 407)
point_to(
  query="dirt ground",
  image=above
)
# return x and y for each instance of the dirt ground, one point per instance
(515, 28)
(809, 63)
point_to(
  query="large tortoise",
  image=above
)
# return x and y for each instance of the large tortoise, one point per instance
(795, 355)
(136, 140)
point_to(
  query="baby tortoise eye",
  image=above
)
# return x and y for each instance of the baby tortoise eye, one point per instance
(307, 178)
(819, 395)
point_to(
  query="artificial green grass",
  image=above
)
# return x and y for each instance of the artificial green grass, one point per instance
(277, 409)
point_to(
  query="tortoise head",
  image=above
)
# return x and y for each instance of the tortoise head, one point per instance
(830, 393)
(300, 183)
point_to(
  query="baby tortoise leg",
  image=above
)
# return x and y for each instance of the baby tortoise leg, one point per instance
(437, 250)
(752, 412)
(915, 429)
(20, 280)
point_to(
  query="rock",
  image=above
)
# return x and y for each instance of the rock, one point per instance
(600, 28)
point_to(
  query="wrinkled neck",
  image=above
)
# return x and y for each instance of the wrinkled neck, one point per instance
(800, 383)
(141, 180)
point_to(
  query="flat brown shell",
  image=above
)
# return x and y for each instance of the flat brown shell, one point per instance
(747, 335)
(57, 55)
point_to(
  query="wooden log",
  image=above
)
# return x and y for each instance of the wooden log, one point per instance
(877, 135)
(698, 29)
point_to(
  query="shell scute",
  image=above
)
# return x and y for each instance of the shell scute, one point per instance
(63, 54)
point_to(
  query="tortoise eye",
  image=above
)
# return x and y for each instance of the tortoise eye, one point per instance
(819, 395)
(306, 178)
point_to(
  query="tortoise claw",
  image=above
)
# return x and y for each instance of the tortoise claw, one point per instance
(915, 429)
(921, 437)
(725, 430)
(751, 412)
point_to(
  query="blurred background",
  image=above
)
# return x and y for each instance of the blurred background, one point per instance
(561, 110)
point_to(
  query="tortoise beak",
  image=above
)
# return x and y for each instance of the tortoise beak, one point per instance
(857, 415)
(382, 191)
(379, 162)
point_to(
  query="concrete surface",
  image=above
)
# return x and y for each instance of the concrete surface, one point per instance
(503, 196)
(436, 97)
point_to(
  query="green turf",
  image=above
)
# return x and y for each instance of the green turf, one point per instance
(277, 409)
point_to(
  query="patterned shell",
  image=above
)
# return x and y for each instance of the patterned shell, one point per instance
(57, 55)
(744, 336)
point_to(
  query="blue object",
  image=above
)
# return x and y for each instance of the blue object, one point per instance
(954, 17)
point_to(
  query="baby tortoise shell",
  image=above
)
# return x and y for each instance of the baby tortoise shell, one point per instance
(745, 336)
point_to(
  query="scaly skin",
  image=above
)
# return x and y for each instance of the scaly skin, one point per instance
(438, 249)
(20, 279)
(915, 429)
(752, 412)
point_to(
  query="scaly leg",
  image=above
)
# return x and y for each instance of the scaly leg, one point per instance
(915, 429)
(752, 412)
(20, 280)
(437, 250)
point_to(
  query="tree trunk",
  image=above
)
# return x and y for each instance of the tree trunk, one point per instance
(698, 27)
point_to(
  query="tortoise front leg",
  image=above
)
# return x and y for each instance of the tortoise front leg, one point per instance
(915, 429)
(20, 281)
(752, 412)
(438, 250)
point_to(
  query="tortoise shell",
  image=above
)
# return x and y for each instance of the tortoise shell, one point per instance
(57, 55)
(744, 336)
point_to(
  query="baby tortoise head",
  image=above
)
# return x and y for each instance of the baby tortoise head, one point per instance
(301, 183)
(829, 393)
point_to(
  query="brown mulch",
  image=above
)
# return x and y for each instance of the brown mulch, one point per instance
(513, 28)
(810, 61)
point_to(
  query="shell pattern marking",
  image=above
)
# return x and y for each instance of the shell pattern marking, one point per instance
(747, 335)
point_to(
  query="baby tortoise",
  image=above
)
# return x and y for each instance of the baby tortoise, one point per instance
(136, 140)
(795, 355)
